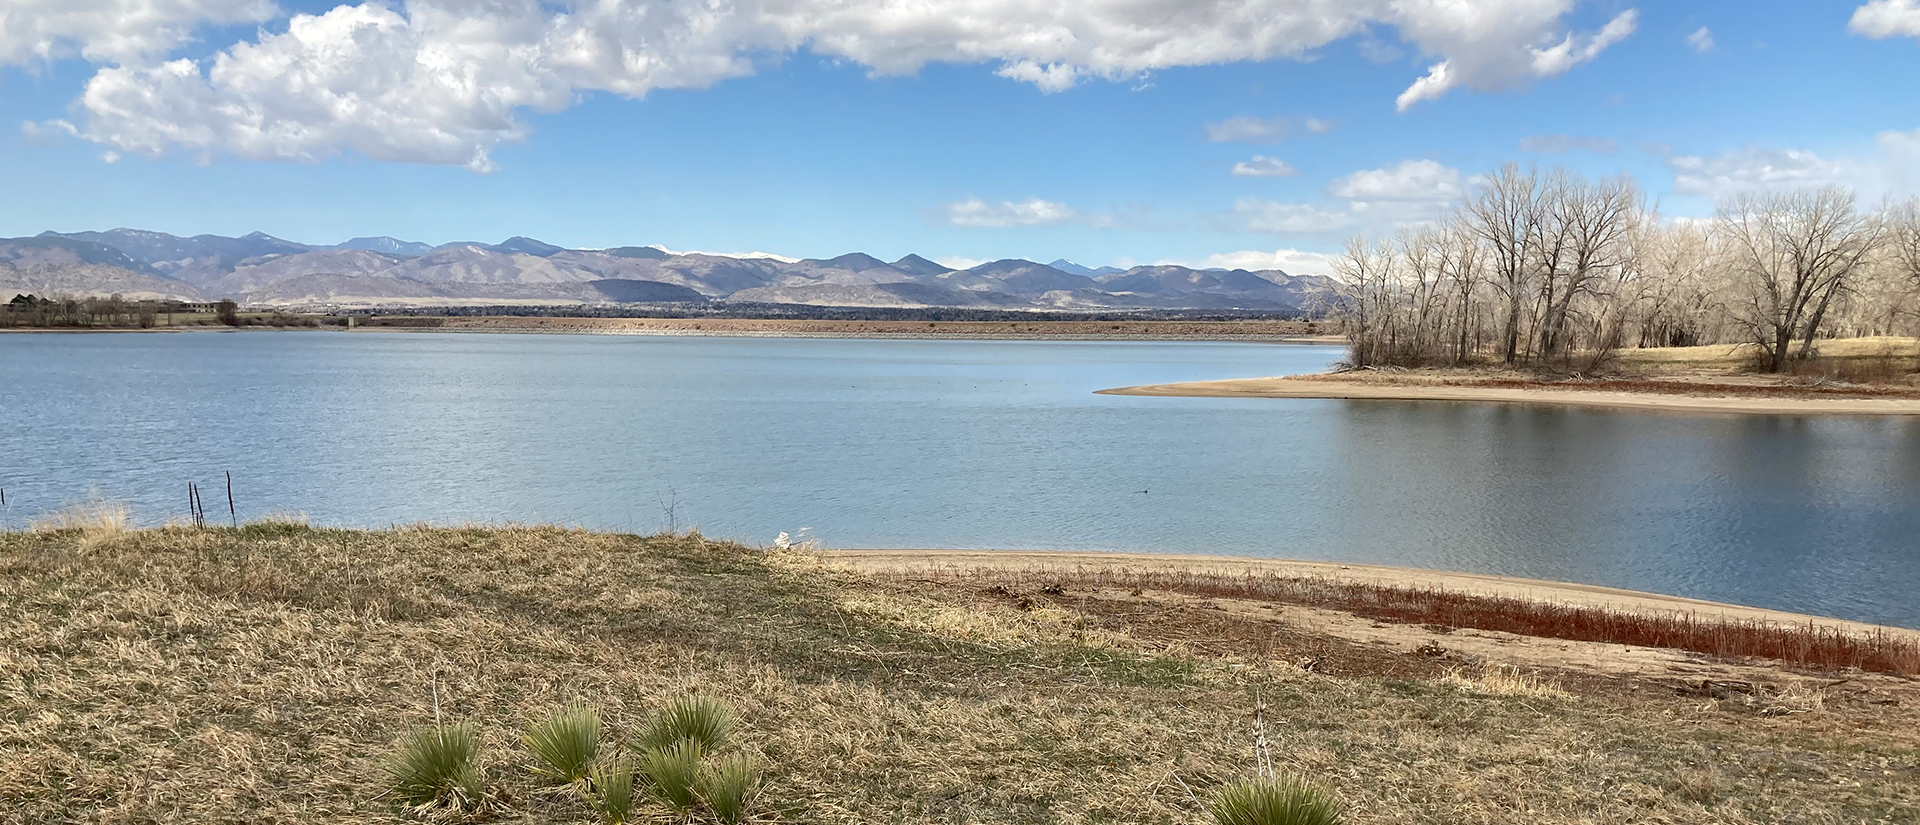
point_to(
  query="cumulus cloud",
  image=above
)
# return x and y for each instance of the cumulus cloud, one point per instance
(1413, 180)
(1886, 18)
(41, 31)
(1036, 212)
(1701, 40)
(1556, 144)
(1050, 78)
(1526, 30)
(446, 81)
(1261, 166)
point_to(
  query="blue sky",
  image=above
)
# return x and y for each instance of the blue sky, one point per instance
(947, 137)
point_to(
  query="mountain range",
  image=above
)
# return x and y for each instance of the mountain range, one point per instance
(261, 270)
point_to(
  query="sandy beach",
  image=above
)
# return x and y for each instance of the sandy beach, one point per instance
(1706, 401)
(1582, 595)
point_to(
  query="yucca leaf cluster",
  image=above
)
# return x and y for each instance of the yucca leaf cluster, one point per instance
(437, 768)
(678, 761)
(1274, 800)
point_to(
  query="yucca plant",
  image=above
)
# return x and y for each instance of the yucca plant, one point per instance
(438, 767)
(673, 773)
(726, 786)
(1274, 801)
(704, 720)
(611, 784)
(564, 743)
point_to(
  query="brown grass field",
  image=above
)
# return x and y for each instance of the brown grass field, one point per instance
(260, 675)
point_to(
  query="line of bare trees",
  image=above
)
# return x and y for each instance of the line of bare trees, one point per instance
(113, 311)
(1549, 268)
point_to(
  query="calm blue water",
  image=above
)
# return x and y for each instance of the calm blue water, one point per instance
(963, 444)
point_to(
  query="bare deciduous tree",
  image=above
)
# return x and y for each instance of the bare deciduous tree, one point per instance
(1556, 270)
(1502, 215)
(1791, 254)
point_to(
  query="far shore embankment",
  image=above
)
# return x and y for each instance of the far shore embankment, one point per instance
(1850, 376)
(907, 561)
(1276, 331)
(1701, 398)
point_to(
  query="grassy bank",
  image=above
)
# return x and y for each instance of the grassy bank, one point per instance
(1866, 360)
(263, 674)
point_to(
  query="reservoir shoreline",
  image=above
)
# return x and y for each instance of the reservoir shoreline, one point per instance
(908, 561)
(1706, 401)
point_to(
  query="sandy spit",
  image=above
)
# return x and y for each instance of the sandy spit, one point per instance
(1656, 402)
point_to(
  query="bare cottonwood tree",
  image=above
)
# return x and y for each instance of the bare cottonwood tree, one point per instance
(1368, 295)
(1593, 229)
(1557, 270)
(1902, 222)
(1791, 254)
(1675, 294)
(1503, 216)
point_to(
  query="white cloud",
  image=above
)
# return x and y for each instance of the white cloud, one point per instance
(1293, 261)
(1886, 18)
(1261, 166)
(1036, 212)
(1249, 130)
(1438, 79)
(1276, 218)
(1413, 180)
(1578, 49)
(1701, 40)
(1053, 77)
(42, 31)
(1891, 169)
(1373, 200)
(445, 81)
(1379, 53)
(1556, 144)
(1756, 168)
(957, 262)
(1515, 35)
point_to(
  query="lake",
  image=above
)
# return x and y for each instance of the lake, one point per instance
(962, 444)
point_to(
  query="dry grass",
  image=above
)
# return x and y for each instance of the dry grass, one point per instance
(1815, 647)
(1504, 680)
(95, 515)
(96, 520)
(1887, 357)
(261, 675)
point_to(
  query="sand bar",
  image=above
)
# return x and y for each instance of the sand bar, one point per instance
(1660, 402)
(909, 561)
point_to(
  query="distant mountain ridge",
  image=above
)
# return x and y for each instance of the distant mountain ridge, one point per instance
(261, 270)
